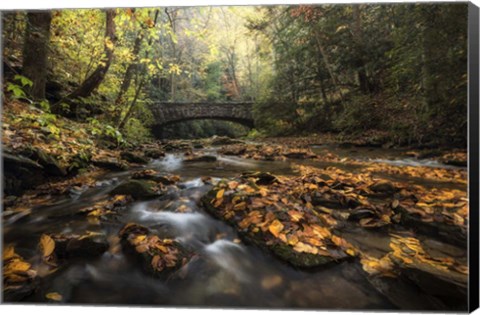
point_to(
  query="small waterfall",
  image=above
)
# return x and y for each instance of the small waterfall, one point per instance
(230, 257)
(169, 163)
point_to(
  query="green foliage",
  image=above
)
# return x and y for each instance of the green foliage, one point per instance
(19, 86)
(102, 130)
(394, 68)
(254, 134)
(136, 132)
(399, 69)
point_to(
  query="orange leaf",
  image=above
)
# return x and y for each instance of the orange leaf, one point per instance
(220, 194)
(275, 228)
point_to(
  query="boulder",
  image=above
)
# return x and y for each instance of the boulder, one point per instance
(20, 174)
(138, 189)
(299, 155)
(201, 158)
(49, 163)
(112, 164)
(452, 234)
(158, 256)
(300, 255)
(82, 246)
(133, 158)
(383, 187)
(153, 153)
(233, 150)
(216, 140)
(153, 175)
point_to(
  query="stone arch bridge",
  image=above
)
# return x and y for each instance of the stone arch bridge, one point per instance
(170, 113)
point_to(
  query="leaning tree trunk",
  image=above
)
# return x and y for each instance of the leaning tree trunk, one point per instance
(134, 67)
(130, 70)
(97, 76)
(35, 51)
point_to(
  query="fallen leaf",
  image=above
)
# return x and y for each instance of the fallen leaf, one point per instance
(275, 228)
(47, 245)
(270, 282)
(54, 296)
(220, 194)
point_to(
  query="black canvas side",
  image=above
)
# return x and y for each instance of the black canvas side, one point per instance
(473, 94)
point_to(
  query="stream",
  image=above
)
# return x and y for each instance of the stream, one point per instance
(225, 272)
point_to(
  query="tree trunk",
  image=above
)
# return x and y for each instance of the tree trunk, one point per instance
(132, 105)
(35, 51)
(97, 76)
(430, 55)
(363, 80)
(327, 64)
(130, 70)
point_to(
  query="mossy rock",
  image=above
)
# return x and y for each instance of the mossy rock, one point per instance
(138, 189)
(133, 158)
(49, 162)
(20, 174)
(284, 252)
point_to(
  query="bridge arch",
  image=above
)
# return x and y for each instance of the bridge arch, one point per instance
(170, 113)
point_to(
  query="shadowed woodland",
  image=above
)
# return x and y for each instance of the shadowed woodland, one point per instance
(309, 156)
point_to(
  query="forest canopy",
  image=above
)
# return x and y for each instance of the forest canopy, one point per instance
(394, 72)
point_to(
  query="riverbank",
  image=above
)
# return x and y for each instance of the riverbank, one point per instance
(229, 222)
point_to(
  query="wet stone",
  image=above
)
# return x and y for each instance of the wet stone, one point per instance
(138, 189)
(153, 153)
(155, 176)
(383, 187)
(133, 158)
(50, 163)
(90, 244)
(158, 256)
(300, 237)
(112, 164)
(201, 158)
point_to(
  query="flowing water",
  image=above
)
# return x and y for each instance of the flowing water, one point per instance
(225, 272)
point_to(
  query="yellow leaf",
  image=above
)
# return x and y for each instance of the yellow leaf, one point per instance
(305, 248)
(141, 248)
(272, 281)
(220, 194)
(54, 296)
(8, 252)
(161, 248)
(240, 206)
(395, 203)
(218, 202)
(47, 245)
(275, 228)
(138, 239)
(292, 240)
(350, 252)
(18, 265)
(155, 261)
(109, 43)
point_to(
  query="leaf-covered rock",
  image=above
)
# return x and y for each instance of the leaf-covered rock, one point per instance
(273, 217)
(138, 189)
(158, 256)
